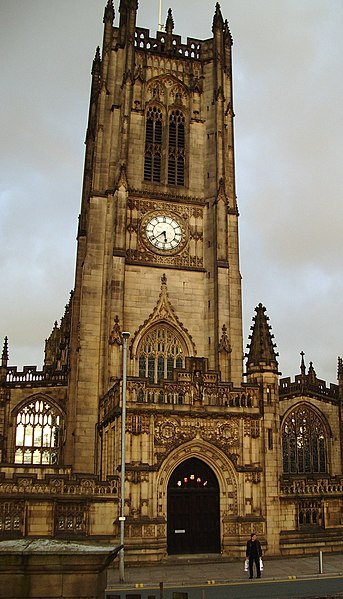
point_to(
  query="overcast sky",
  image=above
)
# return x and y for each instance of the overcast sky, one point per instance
(288, 101)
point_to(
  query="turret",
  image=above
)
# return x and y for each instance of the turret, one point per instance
(262, 368)
(169, 31)
(218, 22)
(108, 22)
(4, 361)
(262, 355)
(340, 377)
(127, 22)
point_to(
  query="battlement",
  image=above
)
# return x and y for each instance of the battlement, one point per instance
(302, 386)
(193, 48)
(30, 376)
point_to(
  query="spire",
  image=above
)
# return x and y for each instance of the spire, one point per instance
(227, 34)
(169, 31)
(169, 22)
(340, 377)
(340, 369)
(218, 22)
(261, 348)
(109, 12)
(4, 356)
(96, 62)
(312, 376)
(302, 365)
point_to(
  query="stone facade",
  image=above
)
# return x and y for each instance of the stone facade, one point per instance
(158, 256)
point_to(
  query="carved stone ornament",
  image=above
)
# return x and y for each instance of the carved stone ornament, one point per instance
(115, 336)
(224, 344)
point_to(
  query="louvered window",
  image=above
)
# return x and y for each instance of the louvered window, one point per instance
(176, 148)
(153, 145)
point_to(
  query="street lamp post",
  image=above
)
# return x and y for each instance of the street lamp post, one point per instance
(125, 336)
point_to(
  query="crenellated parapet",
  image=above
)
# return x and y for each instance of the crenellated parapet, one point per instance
(31, 377)
(193, 48)
(289, 388)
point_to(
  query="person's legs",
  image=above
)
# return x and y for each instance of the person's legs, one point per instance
(258, 569)
(251, 561)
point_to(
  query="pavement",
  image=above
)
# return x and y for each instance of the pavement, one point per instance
(219, 569)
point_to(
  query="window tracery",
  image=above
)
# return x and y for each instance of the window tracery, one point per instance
(153, 145)
(165, 146)
(176, 148)
(38, 434)
(160, 351)
(303, 442)
(310, 514)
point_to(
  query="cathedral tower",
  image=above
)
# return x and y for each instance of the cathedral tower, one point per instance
(158, 205)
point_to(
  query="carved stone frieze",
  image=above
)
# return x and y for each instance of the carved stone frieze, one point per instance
(230, 528)
(170, 432)
(62, 486)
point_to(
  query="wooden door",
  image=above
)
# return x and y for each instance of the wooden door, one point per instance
(193, 509)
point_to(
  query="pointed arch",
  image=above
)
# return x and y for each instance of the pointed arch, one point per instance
(305, 436)
(166, 130)
(39, 430)
(219, 463)
(162, 343)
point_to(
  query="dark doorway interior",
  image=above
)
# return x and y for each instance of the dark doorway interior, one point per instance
(193, 509)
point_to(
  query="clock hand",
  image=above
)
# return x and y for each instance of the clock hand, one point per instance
(159, 235)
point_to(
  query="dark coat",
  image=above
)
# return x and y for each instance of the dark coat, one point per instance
(254, 548)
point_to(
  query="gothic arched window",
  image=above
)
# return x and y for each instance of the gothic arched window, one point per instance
(160, 351)
(153, 145)
(303, 442)
(38, 433)
(176, 148)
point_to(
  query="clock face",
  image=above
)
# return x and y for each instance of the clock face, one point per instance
(164, 232)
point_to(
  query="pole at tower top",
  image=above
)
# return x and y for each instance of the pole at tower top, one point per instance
(160, 24)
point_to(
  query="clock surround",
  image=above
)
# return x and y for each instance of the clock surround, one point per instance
(164, 232)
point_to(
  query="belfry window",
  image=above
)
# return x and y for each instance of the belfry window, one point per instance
(38, 434)
(176, 148)
(153, 145)
(303, 442)
(160, 351)
(164, 153)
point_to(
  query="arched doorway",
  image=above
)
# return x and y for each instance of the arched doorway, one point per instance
(193, 509)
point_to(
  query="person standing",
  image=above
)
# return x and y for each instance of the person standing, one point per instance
(254, 553)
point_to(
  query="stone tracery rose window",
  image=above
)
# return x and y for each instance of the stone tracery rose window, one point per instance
(304, 444)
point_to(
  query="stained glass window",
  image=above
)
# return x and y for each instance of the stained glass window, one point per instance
(160, 351)
(303, 442)
(38, 434)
